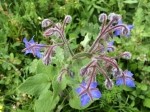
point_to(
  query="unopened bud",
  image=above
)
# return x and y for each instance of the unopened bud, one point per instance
(102, 17)
(46, 23)
(125, 30)
(52, 31)
(48, 32)
(113, 16)
(126, 55)
(108, 84)
(116, 72)
(68, 19)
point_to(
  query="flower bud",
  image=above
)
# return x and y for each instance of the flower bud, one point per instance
(113, 16)
(108, 84)
(48, 32)
(110, 46)
(68, 19)
(52, 31)
(125, 30)
(46, 23)
(102, 17)
(126, 55)
(116, 72)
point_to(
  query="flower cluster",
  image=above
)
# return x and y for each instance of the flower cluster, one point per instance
(100, 62)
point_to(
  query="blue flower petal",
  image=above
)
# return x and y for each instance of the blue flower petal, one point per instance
(119, 81)
(85, 99)
(79, 90)
(96, 93)
(128, 73)
(83, 83)
(38, 54)
(27, 51)
(117, 32)
(93, 85)
(130, 26)
(130, 82)
(32, 41)
(25, 40)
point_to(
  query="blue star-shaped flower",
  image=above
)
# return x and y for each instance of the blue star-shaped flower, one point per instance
(118, 32)
(88, 93)
(32, 47)
(125, 79)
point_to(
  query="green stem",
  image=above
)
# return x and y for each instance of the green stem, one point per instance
(67, 44)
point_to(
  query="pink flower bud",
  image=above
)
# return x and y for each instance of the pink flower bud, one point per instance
(46, 23)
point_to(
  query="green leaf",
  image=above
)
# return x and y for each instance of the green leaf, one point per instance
(33, 66)
(130, 1)
(142, 86)
(117, 40)
(58, 86)
(146, 102)
(74, 102)
(46, 102)
(59, 54)
(126, 88)
(146, 68)
(86, 40)
(49, 70)
(35, 85)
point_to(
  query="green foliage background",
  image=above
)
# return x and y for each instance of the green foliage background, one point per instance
(39, 92)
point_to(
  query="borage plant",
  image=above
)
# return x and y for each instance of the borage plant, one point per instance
(81, 68)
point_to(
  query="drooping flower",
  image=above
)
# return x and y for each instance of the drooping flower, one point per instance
(88, 92)
(32, 47)
(125, 79)
(118, 32)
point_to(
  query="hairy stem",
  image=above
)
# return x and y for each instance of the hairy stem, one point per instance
(101, 33)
